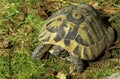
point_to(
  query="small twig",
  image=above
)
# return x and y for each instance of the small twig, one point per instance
(9, 60)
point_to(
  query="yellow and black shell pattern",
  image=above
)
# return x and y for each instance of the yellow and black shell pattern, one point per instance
(79, 30)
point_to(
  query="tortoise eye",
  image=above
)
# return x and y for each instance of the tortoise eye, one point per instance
(77, 15)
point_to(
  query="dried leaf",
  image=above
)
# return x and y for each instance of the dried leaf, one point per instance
(28, 29)
(51, 5)
(109, 10)
(71, 68)
(4, 43)
(94, 4)
(61, 75)
(51, 72)
(42, 13)
(23, 11)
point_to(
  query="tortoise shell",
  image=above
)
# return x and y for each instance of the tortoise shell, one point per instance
(79, 30)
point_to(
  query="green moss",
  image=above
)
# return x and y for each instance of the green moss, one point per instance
(22, 33)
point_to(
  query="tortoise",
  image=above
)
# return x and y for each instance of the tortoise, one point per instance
(77, 30)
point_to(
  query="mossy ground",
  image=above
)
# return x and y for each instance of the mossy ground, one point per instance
(19, 30)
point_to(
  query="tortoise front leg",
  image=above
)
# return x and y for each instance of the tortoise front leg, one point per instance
(78, 63)
(40, 51)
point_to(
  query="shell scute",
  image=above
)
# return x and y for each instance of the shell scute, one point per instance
(79, 30)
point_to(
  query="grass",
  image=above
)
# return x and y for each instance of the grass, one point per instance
(22, 36)
(19, 30)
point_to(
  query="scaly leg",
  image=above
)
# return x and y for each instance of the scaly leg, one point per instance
(40, 51)
(78, 63)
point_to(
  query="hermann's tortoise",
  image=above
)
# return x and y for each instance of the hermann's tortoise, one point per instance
(76, 30)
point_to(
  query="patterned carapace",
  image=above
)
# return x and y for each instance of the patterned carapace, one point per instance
(79, 30)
